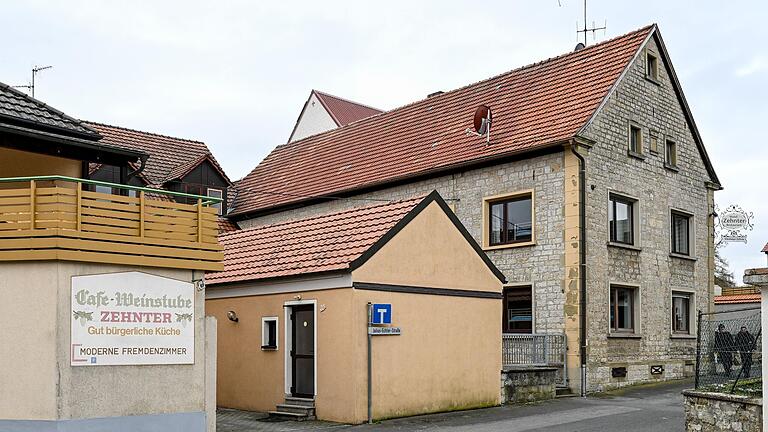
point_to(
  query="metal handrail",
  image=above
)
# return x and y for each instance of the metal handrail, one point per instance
(206, 200)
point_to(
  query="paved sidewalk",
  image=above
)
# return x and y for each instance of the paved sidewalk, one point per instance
(657, 407)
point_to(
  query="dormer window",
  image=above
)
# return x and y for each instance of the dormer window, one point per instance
(651, 66)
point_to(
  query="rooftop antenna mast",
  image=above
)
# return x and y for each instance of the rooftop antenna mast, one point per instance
(586, 29)
(31, 86)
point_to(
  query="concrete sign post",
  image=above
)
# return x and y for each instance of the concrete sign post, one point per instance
(131, 319)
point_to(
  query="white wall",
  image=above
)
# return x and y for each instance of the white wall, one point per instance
(313, 120)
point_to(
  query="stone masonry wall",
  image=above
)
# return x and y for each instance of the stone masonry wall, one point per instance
(539, 265)
(531, 384)
(649, 267)
(716, 412)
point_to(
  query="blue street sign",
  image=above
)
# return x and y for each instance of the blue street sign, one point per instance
(381, 313)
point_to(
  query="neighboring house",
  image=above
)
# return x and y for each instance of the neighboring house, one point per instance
(737, 298)
(174, 164)
(323, 112)
(603, 260)
(62, 247)
(291, 306)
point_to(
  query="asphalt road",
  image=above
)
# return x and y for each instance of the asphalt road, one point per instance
(657, 407)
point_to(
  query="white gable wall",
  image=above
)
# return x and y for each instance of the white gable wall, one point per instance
(313, 120)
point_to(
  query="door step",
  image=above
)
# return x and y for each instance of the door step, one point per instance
(563, 392)
(296, 409)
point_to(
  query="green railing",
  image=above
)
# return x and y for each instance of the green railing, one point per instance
(206, 200)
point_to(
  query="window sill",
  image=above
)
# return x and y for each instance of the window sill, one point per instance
(624, 336)
(683, 336)
(653, 80)
(268, 348)
(635, 155)
(510, 245)
(625, 246)
(683, 257)
(672, 168)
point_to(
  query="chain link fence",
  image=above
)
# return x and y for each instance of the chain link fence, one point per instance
(729, 351)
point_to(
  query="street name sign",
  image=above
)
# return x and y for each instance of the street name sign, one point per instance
(384, 331)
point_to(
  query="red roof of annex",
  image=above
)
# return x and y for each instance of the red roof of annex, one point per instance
(536, 106)
(317, 244)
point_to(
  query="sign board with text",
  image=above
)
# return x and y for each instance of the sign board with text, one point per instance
(131, 318)
(384, 331)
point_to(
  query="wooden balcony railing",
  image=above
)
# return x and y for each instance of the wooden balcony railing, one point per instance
(54, 217)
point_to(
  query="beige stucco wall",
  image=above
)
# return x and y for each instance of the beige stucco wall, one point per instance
(429, 252)
(17, 163)
(448, 356)
(254, 379)
(37, 380)
(28, 313)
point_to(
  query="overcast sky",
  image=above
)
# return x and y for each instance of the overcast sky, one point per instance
(235, 74)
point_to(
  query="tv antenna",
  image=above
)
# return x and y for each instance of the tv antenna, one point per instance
(31, 85)
(586, 29)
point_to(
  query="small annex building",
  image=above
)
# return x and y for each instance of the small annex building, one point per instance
(292, 303)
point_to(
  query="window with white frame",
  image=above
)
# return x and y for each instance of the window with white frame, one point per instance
(216, 193)
(269, 333)
(681, 312)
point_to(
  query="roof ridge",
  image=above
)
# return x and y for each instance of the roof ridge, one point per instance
(320, 92)
(44, 105)
(418, 198)
(452, 91)
(145, 132)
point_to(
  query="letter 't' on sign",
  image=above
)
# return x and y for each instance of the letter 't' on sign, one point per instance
(381, 313)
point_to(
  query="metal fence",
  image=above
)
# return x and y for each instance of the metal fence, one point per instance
(728, 350)
(534, 349)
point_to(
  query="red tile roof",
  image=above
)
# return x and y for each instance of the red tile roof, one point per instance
(537, 106)
(737, 298)
(226, 225)
(344, 111)
(318, 244)
(168, 156)
(765, 248)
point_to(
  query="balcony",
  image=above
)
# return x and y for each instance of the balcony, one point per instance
(57, 218)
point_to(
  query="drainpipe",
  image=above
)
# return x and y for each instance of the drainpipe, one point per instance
(582, 267)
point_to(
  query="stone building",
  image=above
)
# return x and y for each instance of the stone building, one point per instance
(637, 218)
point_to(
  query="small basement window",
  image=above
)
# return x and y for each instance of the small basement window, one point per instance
(651, 66)
(269, 333)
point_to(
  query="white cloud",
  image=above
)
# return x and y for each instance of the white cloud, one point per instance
(756, 65)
